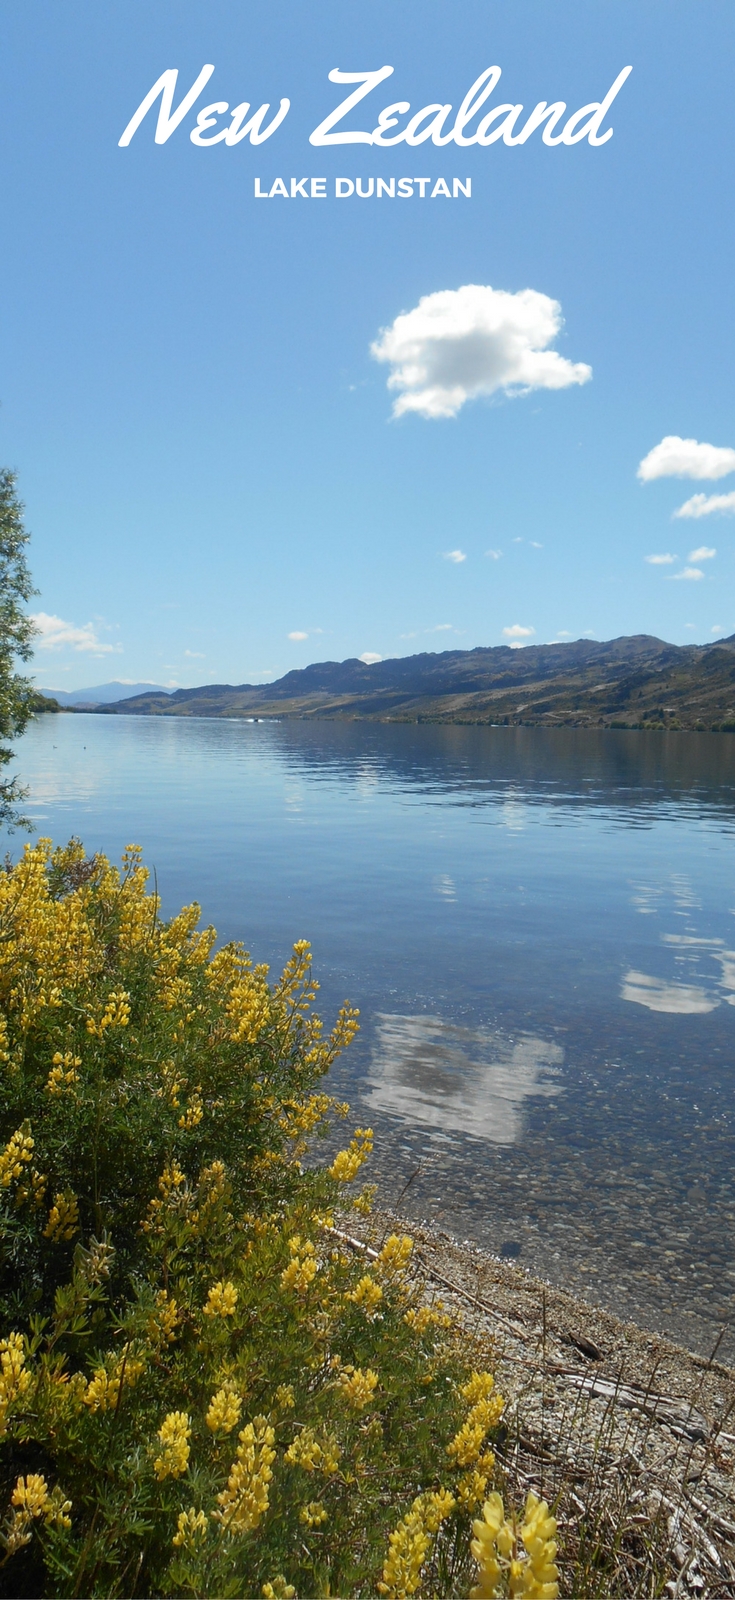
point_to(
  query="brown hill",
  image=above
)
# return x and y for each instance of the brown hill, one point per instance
(635, 682)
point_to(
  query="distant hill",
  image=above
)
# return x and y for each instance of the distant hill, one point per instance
(103, 693)
(629, 682)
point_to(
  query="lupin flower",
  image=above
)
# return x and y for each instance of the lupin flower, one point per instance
(173, 1436)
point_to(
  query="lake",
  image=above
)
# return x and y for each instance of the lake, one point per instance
(537, 926)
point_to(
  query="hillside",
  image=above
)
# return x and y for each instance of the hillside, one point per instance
(626, 682)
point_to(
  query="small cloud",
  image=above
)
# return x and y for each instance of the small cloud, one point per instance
(460, 344)
(441, 627)
(494, 555)
(589, 633)
(298, 637)
(704, 505)
(517, 632)
(718, 628)
(454, 555)
(689, 624)
(661, 561)
(518, 539)
(686, 458)
(693, 574)
(413, 635)
(195, 655)
(704, 553)
(535, 544)
(369, 657)
(563, 634)
(55, 634)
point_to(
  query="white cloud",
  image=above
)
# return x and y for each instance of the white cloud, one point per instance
(55, 634)
(692, 573)
(718, 628)
(535, 544)
(369, 657)
(517, 632)
(441, 627)
(563, 634)
(462, 343)
(494, 555)
(454, 555)
(703, 505)
(686, 458)
(661, 561)
(298, 636)
(704, 553)
(195, 655)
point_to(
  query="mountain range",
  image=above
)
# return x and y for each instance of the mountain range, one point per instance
(102, 693)
(636, 681)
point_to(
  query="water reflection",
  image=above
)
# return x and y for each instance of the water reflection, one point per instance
(467, 1080)
(677, 998)
(491, 889)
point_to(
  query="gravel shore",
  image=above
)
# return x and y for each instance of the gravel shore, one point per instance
(617, 1424)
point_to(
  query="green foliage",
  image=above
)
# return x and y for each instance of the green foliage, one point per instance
(202, 1391)
(16, 639)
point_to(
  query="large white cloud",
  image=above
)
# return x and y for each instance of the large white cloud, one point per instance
(459, 344)
(55, 634)
(686, 458)
(703, 505)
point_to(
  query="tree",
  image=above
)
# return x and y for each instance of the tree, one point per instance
(17, 632)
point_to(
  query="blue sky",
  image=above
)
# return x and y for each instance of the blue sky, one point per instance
(206, 446)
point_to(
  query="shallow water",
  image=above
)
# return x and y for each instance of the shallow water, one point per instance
(538, 929)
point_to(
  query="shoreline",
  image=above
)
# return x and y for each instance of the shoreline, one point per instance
(591, 1398)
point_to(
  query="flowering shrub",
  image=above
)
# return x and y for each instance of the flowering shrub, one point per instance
(201, 1393)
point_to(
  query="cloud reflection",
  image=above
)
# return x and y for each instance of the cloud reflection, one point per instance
(658, 995)
(443, 1076)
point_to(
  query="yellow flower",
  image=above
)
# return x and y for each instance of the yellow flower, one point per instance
(279, 1589)
(164, 1319)
(29, 1501)
(31, 1495)
(224, 1411)
(525, 1555)
(63, 1220)
(284, 1397)
(191, 1529)
(63, 1074)
(347, 1163)
(244, 1502)
(115, 1015)
(357, 1386)
(15, 1379)
(221, 1300)
(192, 1116)
(17, 1153)
(363, 1202)
(395, 1255)
(485, 1412)
(410, 1543)
(313, 1514)
(173, 1435)
(367, 1294)
(313, 1454)
(425, 1317)
(303, 1266)
(472, 1488)
(478, 1387)
(103, 1390)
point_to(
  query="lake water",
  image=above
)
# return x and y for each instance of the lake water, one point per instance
(538, 929)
